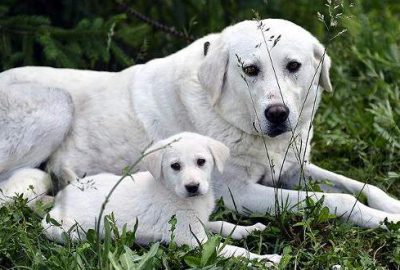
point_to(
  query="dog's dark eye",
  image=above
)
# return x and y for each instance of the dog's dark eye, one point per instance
(293, 66)
(201, 162)
(176, 166)
(251, 70)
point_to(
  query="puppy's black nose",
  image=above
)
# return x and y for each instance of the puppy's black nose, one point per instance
(192, 188)
(277, 114)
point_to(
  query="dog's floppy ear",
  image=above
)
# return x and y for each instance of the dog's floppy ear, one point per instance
(212, 71)
(321, 55)
(153, 161)
(220, 153)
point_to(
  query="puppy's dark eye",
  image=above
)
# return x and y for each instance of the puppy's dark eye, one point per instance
(293, 66)
(176, 166)
(201, 162)
(251, 70)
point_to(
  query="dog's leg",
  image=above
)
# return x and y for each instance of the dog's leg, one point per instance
(251, 197)
(376, 197)
(32, 183)
(33, 122)
(227, 229)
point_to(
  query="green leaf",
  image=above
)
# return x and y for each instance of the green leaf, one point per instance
(52, 221)
(128, 259)
(146, 260)
(114, 262)
(209, 251)
(192, 261)
(286, 257)
(324, 215)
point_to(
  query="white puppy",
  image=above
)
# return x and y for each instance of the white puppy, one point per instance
(177, 184)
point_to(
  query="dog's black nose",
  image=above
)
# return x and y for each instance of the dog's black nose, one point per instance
(277, 114)
(192, 188)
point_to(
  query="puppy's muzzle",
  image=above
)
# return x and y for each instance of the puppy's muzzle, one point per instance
(192, 189)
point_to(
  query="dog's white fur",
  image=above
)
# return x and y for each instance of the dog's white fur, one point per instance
(152, 198)
(32, 183)
(101, 121)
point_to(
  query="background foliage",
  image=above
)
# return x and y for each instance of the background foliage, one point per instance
(357, 128)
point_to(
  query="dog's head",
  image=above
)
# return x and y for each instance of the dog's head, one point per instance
(185, 162)
(264, 77)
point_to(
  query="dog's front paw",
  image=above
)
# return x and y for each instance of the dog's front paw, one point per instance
(378, 199)
(392, 205)
(394, 218)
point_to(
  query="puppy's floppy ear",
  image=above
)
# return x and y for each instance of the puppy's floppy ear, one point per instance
(153, 161)
(220, 153)
(321, 55)
(213, 69)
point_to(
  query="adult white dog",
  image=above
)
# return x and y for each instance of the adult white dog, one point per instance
(254, 86)
(178, 183)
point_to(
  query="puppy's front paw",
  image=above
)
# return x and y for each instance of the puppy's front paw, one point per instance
(256, 227)
(259, 227)
(244, 231)
(270, 259)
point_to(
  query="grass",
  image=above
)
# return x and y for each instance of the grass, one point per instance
(357, 134)
(312, 239)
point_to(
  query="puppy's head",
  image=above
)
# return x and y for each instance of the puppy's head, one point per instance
(184, 162)
(265, 77)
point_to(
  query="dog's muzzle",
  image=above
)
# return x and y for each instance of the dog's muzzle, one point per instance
(273, 131)
(277, 116)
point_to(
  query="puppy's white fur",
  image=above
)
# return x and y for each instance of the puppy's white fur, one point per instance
(93, 122)
(152, 198)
